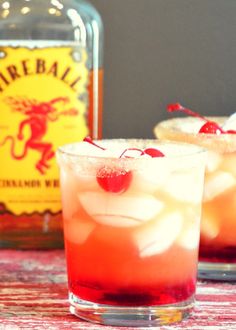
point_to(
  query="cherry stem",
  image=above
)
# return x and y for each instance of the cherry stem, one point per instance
(89, 140)
(132, 149)
(178, 107)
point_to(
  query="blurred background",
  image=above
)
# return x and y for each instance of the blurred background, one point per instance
(163, 51)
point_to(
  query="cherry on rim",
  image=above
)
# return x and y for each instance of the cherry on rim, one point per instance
(210, 127)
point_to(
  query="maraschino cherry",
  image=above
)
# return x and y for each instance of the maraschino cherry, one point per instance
(210, 127)
(153, 152)
(114, 179)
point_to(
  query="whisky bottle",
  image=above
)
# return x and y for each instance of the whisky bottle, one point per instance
(50, 94)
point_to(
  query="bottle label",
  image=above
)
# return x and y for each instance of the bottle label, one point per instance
(43, 104)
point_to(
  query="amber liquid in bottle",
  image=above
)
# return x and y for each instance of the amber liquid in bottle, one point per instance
(50, 94)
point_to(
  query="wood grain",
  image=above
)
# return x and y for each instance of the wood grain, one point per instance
(33, 295)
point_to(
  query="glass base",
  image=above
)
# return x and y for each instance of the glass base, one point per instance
(217, 271)
(130, 316)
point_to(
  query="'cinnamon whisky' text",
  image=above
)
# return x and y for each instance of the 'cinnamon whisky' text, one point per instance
(29, 183)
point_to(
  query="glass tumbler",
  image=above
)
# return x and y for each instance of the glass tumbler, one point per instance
(218, 225)
(131, 228)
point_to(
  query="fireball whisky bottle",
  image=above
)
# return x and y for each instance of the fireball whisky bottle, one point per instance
(50, 94)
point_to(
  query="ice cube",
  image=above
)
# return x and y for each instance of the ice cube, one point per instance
(185, 186)
(209, 226)
(77, 230)
(157, 236)
(121, 151)
(120, 210)
(189, 237)
(69, 189)
(213, 161)
(86, 181)
(217, 183)
(88, 149)
(230, 123)
(229, 163)
(149, 180)
(112, 151)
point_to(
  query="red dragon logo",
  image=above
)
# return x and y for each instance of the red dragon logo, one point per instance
(38, 115)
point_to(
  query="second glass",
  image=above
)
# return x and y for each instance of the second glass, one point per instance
(131, 227)
(218, 226)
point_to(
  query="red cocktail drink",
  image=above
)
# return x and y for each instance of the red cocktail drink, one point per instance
(218, 225)
(131, 224)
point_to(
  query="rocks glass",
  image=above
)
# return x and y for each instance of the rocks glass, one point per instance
(218, 225)
(131, 227)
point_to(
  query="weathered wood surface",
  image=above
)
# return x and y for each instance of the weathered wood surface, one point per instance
(33, 295)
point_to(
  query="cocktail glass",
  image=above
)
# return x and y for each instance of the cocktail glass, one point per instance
(131, 227)
(218, 225)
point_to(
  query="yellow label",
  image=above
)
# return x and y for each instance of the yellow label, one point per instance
(43, 104)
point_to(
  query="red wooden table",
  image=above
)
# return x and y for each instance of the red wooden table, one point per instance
(33, 295)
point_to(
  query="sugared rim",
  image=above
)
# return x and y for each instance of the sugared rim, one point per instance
(171, 129)
(190, 149)
(176, 124)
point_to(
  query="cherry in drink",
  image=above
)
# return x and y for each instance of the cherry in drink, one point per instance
(218, 225)
(131, 224)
